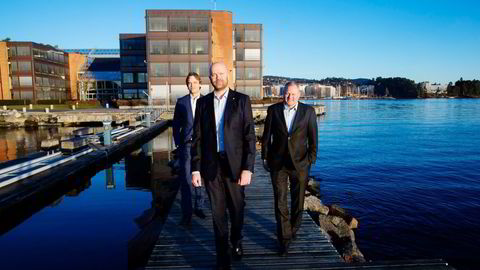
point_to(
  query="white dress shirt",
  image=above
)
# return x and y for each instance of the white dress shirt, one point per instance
(193, 103)
(289, 114)
(219, 104)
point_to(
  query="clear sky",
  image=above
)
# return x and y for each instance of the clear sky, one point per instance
(423, 40)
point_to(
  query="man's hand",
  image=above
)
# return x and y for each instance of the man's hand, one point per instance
(245, 178)
(265, 165)
(196, 179)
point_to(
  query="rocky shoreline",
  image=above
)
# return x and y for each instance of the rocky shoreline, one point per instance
(336, 222)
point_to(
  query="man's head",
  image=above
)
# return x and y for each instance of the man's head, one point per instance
(193, 82)
(291, 94)
(219, 76)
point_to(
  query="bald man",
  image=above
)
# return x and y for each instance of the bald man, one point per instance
(289, 148)
(223, 154)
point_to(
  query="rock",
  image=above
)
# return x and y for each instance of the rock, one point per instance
(337, 211)
(336, 220)
(313, 186)
(49, 144)
(353, 224)
(314, 204)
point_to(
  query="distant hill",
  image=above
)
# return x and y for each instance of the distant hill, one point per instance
(270, 80)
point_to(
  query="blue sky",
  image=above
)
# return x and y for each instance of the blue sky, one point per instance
(423, 40)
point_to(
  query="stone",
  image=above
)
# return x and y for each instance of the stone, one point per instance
(49, 144)
(353, 224)
(337, 211)
(314, 204)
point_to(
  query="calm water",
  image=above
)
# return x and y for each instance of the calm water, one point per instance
(103, 220)
(409, 170)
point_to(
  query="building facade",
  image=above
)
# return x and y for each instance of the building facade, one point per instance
(181, 41)
(133, 66)
(33, 72)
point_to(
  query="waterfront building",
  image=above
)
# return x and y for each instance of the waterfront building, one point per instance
(34, 72)
(434, 88)
(177, 42)
(321, 91)
(99, 77)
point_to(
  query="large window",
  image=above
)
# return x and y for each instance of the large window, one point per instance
(15, 82)
(128, 77)
(25, 80)
(159, 69)
(158, 46)
(12, 51)
(199, 46)
(252, 54)
(24, 66)
(179, 69)
(157, 24)
(14, 66)
(252, 91)
(239, 54)
(142, 77)
(23, 51)
(239, 36)
(252, 35)
(200, 68)
(133, 61)
(27, 95)
(240, 73)
(252, 73)
(178, 46)
(132, 44)
(199, 24)
(179, 24)
(130, 93)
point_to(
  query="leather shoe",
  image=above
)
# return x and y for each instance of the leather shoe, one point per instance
(237, 251)
(199, 213)
(284, 248)
(186, 222)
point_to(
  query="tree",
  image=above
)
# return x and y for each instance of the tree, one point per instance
(6, 39)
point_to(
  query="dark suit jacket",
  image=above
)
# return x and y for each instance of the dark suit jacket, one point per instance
(301, 143)
(182, 123)
(239, 136)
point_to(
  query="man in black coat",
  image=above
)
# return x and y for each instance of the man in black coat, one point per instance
(289, 148)
(223, 154)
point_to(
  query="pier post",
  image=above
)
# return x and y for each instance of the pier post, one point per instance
(51, 107)
(107, 133)
(73, 107)
(148, 121)
(4, 107)
(47, 110)
(24, 109)
(31, 106)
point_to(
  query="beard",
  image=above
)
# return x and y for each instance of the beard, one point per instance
(220, 84)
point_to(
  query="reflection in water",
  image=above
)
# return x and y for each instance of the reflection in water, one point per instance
(123, 204)
(19, 142)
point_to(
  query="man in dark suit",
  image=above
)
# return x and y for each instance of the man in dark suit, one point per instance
(289, 148)
(182, 133)
(223, 153)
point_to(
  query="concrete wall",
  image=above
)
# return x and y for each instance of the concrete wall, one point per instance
(222, 41)
(75, 63)
(5, 92)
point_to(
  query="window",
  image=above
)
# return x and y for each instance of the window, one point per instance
(15, 82)
(25, 80)
(128, 77)
(23, 51)
(199, 24)
(14, 66)
(177, 91)
(179, 24)
(38, 81)
(142, 77)
(199, 46)
(130, 93)
(200, 68)
(133, 44)
(179, 69)
(239, 54)
(239, 36)
(252, 73)
(240, 73)
(159, 69)
(252, 35)
(38, 67)
(252, 54)
(178, 46)
(45, 82)
(157, 24)
(133, 61)
(12, 51)
(159, 47)
(44, 68)
(27, 95)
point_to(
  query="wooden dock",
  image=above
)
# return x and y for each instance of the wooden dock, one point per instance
(179, 248)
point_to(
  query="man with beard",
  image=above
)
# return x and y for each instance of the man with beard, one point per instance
(223, 154)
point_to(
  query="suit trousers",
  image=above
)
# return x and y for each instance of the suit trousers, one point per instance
(186, 187)
(298, 179)
(225, 193)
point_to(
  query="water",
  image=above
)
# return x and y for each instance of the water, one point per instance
(409, 171)
(102, 220)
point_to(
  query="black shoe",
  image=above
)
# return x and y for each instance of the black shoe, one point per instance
(186, 222)
(237, 251)
(199, 213)
(284, 248)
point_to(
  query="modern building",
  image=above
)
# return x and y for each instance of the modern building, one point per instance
(33, 72)
(177, 42)
(99, 78)
(321, 91)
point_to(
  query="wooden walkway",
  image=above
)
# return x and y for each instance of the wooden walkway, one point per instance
(179, 248)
